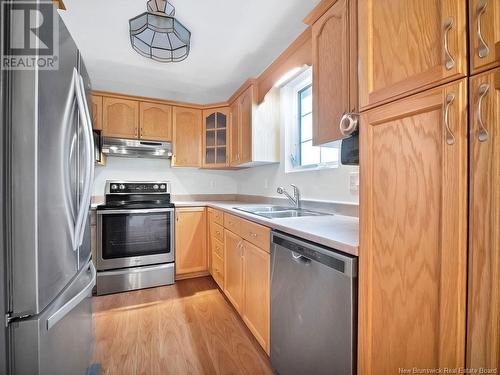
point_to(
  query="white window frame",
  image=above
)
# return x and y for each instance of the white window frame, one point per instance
(292, 147)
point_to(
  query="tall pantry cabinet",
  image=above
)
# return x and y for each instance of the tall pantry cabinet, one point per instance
(429, 294)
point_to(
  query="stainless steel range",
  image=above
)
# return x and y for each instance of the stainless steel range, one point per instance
(135, 237)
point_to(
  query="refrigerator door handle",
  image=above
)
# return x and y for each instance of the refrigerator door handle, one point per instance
(75, 301)
(70, 208)
(89, 169)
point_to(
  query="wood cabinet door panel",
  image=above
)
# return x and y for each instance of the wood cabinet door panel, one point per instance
(186, 138)
(234, 140)
(483, 336)
(233, 269)
(245, 125)
(96, 103)
(413, 233)
(402, 47)
(120, 118)
(191, 240)
(331, 72)
(257, 294)
(484, 34)
(156, 121)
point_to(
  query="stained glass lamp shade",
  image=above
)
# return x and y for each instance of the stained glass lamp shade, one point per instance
(158, 35)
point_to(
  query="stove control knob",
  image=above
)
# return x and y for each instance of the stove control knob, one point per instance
(122, 187)
(114, 187)
(155, 187)
(162, 187)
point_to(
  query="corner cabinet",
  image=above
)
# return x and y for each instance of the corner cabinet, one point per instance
(186, 137)
(334, 70)
(254, 129)
(216, 138)
(484, 34)
(483, 328)
(156, 121)
(413, 232)
(120, 118)
(191, 255)
(409, 46)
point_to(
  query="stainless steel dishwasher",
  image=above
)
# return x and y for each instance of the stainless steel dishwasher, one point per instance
(313, 308)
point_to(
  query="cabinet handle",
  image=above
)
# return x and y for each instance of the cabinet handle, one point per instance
(349, 123)
(483, 133)
(252, 234)
(450, 138)
(482, 49)
(450, 62)
(218, 232)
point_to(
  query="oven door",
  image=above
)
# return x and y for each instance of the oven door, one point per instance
(130, 238)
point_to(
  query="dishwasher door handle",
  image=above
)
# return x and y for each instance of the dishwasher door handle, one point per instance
(300, 258)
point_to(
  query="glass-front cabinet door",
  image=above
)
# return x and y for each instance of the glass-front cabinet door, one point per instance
(215, 138)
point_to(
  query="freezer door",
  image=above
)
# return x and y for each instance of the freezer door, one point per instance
(61, 339)
(44, 182)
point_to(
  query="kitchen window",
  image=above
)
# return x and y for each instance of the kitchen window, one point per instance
(302, 155)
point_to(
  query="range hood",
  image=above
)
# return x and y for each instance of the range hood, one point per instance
(135, 148)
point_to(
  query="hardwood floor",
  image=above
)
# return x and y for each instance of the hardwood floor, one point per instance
(186, 328)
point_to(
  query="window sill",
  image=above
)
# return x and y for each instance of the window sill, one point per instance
(317, 167)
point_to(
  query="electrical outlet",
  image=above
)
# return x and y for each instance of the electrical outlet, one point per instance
(354, 182)
(212, 184)
(266, 183)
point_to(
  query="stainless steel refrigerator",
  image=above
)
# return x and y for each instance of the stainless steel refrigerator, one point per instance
(47, 166)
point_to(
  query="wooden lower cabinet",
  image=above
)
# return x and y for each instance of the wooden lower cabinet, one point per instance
(191, 256)
(413, 232)
(483, 328)
(233, 269)
(257, 292)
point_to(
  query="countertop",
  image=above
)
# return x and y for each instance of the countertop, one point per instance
(335, 231)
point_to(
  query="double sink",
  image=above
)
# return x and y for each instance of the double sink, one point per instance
(279, 212)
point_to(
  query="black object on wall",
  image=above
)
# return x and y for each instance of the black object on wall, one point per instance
(349, 150)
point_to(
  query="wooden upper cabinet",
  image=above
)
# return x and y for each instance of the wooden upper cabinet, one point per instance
(484, 34)
(413, 232)
(233, 269)
(483, 328)
(334, 70)
(96, 106)
(234, 134)
(257, 294)
(409, 46)
(216, 137)
(120, 118)
(191, 253)
(246, 104)
(186, 137)
(156, 121)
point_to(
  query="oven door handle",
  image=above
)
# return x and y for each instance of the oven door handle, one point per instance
(135, 211)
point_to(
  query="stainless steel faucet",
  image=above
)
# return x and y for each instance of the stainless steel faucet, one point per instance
(296, 195)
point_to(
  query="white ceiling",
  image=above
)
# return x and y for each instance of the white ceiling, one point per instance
(231, 40)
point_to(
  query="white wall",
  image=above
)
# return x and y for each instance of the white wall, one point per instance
(184, 181)
(329, 185)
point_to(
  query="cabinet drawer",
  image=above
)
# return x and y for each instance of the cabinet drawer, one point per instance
(232, 223)
(217, 232)
(217, 248)
(216, 216)
(257, 234)
(218, 270)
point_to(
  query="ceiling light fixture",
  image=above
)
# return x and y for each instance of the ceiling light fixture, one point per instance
(158, 35)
